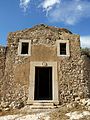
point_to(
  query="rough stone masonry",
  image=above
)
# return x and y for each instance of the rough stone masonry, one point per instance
(46, 47)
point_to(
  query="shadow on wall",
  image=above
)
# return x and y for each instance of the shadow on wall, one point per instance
(87, 72)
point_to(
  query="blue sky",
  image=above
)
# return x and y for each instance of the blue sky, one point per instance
(20, 14)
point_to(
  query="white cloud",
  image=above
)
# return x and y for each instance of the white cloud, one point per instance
(85, 41)
(66, 11)
(47, 5)
(24, 4)
(69, 12)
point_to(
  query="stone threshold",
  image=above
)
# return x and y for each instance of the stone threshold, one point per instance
(42, 107)
(43, 104)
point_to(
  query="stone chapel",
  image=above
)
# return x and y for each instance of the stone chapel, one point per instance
(42, 65)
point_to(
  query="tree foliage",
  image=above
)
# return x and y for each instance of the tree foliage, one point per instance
(85, 51)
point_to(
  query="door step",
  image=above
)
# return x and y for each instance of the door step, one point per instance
(42, 104)
(42, 107)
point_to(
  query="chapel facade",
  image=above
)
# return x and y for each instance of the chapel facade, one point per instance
(42, 65)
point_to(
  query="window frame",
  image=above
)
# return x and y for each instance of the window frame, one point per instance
(67, 48)
(20, 47)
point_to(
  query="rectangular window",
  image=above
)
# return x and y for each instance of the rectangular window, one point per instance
(62, 48)
(24, 48)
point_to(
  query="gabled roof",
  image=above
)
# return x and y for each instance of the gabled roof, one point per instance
(43, 26)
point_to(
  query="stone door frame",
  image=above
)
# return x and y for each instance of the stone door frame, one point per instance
(32, 81)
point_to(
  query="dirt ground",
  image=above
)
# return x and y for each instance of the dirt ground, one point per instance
(76, 112)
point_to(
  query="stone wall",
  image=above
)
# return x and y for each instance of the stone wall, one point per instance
(71, 82)
(86, 72)
(2, 68)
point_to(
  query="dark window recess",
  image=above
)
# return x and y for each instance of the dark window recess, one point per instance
(62, 48)
(24, 49)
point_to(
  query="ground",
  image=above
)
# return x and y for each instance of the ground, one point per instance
(71, 111)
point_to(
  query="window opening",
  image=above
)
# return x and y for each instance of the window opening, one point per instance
(24, 49)
(62, 48)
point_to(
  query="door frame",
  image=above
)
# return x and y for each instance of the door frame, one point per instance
(32, 81)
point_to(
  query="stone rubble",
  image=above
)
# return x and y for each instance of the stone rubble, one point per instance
(44, 114)
(77, 115)
(83, 102)
(39, 116)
